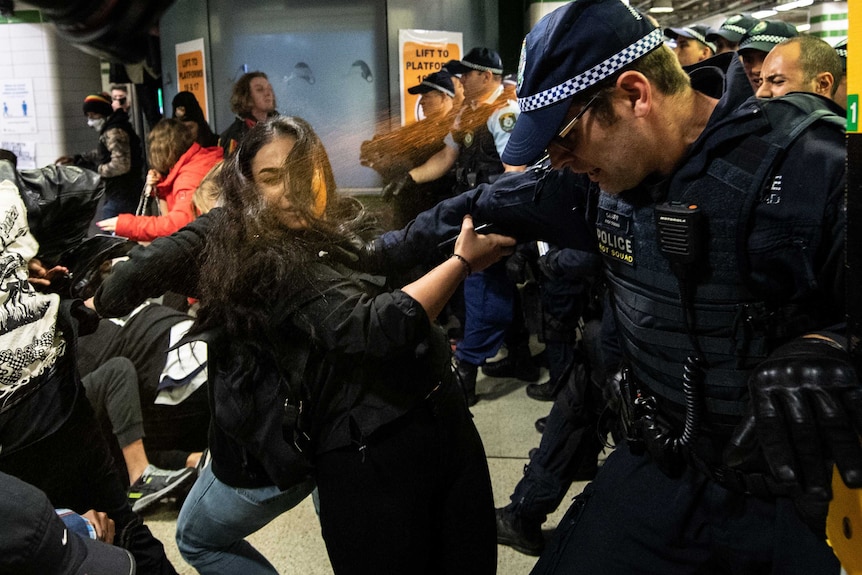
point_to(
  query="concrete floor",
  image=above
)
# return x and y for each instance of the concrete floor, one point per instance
(505, 418)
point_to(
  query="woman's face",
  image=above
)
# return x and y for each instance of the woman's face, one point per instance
(268, 171)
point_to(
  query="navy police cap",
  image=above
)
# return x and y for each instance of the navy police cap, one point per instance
(481, 59)
(568, 51)
(696, 32)
(766, 35)
(733, 29)
(440, 81)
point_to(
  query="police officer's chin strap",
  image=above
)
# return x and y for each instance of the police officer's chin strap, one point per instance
(680, 228)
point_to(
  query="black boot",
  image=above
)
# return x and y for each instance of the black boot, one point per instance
(546, 391)
(514, 532)
(466, 373)
(541, 423)
(518, 364)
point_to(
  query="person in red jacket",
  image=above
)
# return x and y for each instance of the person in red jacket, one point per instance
(178, 164)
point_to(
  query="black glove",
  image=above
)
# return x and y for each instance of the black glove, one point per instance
(805, 414)
(547, 264)
(397, 186)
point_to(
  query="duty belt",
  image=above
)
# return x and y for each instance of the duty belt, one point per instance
(647, 431)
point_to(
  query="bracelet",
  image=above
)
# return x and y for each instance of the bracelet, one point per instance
(467, 267)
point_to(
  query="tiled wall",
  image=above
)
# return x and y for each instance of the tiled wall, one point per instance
(61, 77)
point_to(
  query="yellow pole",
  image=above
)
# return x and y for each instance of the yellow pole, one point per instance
(844, 522)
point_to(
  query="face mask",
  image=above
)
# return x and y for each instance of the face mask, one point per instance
(96, 124)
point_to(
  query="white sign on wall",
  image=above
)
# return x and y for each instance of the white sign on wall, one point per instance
(18, 112)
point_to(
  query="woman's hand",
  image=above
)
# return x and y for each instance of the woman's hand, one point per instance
(481, 250)
(153, 178)
(109, 225)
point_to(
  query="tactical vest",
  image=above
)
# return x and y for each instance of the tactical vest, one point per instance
(478, 161)
(735, 328)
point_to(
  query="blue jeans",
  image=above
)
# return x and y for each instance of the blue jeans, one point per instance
(216, 518)
(489, 297)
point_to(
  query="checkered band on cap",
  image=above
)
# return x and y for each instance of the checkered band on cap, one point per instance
(594, 75)
(768, 38)
(696, 35)
(438, 87)
(734, 28)
(473, 66)
(842, 52)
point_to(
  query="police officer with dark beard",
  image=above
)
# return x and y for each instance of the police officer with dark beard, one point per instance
(724, 259)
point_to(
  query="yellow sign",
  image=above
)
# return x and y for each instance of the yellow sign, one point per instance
(423, 52)
(191, 72)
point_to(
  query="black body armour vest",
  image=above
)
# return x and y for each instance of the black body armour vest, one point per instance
(478, 161)
(734, 328)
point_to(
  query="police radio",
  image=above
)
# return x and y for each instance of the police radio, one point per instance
(680, 229)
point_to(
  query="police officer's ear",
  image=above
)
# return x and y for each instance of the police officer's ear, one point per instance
(637, 91)
(823, 83)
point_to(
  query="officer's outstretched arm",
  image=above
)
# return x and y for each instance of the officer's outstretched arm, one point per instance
(531, 205)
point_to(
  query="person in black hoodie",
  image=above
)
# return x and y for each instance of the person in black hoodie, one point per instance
(189, 111)
(117, 159)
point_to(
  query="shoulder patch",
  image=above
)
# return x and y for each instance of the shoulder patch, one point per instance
(507, 121)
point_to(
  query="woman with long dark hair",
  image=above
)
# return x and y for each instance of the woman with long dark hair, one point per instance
(308, 353)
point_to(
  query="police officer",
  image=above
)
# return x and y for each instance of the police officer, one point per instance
(391, 153)
(757, 43)
(691, 45)
(727, 36)
(738, 395)
(481, 129)
(694, 367)
(473, 149)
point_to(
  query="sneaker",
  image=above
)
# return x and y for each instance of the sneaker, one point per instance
(513, 533)
(156, 484)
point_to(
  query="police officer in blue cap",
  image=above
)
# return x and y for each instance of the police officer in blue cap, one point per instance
(724, 258)
(732, 430)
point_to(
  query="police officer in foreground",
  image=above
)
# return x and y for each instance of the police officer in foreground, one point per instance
(724, 257)
(738, 398)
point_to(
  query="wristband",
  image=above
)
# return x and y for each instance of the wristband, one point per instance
(467, 267)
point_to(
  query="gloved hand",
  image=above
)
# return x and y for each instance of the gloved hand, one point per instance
(805, 415)
(547, 264)
(397, 186)
(518, 265)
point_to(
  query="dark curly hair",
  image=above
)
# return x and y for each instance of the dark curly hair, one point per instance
(251, 258)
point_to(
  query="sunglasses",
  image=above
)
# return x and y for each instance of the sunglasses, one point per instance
(560, 138)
